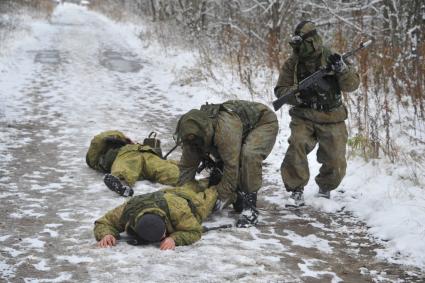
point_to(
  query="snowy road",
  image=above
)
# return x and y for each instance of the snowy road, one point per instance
(82, 74)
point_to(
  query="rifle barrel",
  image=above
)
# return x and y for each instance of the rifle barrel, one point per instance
(224, 226)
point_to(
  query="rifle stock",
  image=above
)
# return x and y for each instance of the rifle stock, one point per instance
(284, 99)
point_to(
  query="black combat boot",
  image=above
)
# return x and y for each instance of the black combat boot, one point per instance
(249, 215)
(238, 204)
(323, 193)
(115, 184)
(296, 199)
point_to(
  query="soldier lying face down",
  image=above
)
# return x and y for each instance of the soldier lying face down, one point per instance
(172, 216)
(127, 162)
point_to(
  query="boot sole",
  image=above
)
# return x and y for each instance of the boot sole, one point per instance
(114, 184)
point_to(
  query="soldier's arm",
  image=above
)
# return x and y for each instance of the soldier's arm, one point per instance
(109, 224)
(196, 186)
(187, 228)
(188, 165)
(209, 197)
(348, 80)
(285, 84)
(228, 139)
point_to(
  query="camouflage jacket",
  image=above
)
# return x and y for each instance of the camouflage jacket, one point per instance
(183, 218)
(348, 81)
(101, 154)
(228, 137)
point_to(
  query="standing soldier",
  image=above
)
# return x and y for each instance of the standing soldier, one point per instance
(238, 135)
(317, 115)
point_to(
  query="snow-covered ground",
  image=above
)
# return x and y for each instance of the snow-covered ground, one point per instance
(82, 73)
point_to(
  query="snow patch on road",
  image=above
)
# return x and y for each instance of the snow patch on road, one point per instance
(33, 243)
(63, 277)
(75, 259)
(307, 270)
(310, 241)
(6, 270)
(42, 265)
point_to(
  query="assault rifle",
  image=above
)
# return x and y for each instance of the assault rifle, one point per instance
(314, 78)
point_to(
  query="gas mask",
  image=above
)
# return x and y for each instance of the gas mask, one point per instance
(305, 42)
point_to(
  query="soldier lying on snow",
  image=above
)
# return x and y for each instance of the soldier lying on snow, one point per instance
(172, 216)
(112, 152)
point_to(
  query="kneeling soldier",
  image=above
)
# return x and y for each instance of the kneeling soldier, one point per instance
(239, 135)
(171, 216)
(127, 162)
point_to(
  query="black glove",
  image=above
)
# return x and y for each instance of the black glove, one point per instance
(337, 63)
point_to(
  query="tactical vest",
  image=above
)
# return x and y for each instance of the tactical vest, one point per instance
(246, 111)
(319, 99)
(190, 203)
(148, 201)
(142, 202)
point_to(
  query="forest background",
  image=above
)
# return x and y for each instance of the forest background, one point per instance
(387, 112)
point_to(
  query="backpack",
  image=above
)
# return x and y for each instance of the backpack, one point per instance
(104, 148)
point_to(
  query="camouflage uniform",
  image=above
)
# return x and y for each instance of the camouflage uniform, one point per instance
(317, 116)
(130, 162)
(183, 209)
(241, 143)
(237, 134)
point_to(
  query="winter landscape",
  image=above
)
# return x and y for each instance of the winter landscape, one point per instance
(78, 71)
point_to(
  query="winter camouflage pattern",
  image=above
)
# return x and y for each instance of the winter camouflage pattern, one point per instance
(305, 135)
(131, 162)
(347, 81)
(183, 222)
(138, 162)
(310, 126)
(242, 152)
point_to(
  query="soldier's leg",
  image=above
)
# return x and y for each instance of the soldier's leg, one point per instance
(159, 170)
(128, 166)
(294, 168)
(257, 146)
(332, 140)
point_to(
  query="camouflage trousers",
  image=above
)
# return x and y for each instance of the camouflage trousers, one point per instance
(305, 134)
(132, 165)
(256, 147)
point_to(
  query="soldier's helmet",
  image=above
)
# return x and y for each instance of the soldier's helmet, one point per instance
(304, 28)
(306, 42)
(194, 127)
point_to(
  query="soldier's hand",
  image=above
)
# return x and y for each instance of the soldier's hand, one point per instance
(337, 63)
(167, 244)
(107, 241)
